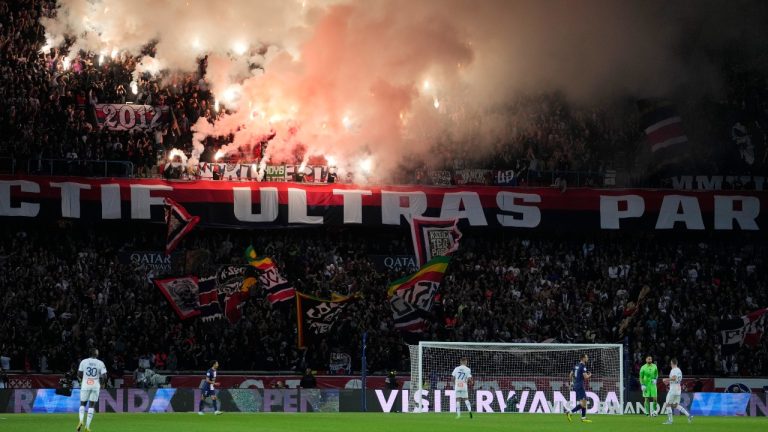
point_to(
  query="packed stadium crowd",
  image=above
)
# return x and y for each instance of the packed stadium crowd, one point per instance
(49, 95)
(70, 291)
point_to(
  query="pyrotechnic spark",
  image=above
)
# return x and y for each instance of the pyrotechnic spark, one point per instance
(426, 85)
(114, 53)
(436, 104)
(218, 155)
(330, 160)
(216, 105)
(347, 122)
(366, 165)
(230, 94)
(196, 43)
(66, 62)
(134, 87)
(177, 153)
(274, 118)
(101, 58)
(48, 44)
(239, 48)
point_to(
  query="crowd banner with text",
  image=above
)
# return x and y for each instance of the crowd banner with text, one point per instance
(250, 204)
(126, 117)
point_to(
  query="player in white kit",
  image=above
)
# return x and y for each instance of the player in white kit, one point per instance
(92, 374)
(675, 381)
(462, 377)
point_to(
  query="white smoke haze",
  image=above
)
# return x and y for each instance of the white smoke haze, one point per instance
(388, 79)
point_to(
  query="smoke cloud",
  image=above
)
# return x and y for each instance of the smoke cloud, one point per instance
(387, 79)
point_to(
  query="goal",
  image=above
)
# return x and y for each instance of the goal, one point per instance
(515, 377)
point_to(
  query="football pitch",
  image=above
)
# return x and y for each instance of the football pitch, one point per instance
(367, 422)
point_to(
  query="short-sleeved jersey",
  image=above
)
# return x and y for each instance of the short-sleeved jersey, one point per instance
(211, 375)
(578, 374)
(92, 369)
(461, 375)
(676, 386)
(648, 373)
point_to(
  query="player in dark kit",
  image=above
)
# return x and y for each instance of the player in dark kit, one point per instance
(209, 389)
(578, 375)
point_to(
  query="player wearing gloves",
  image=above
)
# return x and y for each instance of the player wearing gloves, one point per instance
(649, 373)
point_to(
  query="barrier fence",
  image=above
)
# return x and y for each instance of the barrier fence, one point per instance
(160, 400)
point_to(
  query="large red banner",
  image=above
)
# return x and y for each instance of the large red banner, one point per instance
(249, 204)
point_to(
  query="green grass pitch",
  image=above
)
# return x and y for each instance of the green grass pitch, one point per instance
(368, 422)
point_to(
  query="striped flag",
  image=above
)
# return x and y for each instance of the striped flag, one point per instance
(411, 297)
(746, 330)
(277, 287)
(663, 129)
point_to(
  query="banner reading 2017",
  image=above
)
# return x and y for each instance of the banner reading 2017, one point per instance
(124, 117)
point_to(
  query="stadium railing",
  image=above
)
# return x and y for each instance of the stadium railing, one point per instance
(75, 167)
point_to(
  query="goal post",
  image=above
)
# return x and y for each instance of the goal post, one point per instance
(516, 377)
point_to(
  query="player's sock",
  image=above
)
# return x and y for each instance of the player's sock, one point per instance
(200, 406)
(652, 407)
(458, 409)
(683, 411)
(89, 418)
(469, 405)
(215, 404)
(669, 414)
(576, 408)
(82, 413)
(583, 412)
(646, 407)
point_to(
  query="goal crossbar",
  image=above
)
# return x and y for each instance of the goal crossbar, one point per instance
(516, 377)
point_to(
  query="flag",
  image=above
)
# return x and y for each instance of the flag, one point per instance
(277, 287)
(663, 129)
(317, 317)
(217, 300)
(434, 237)
(745, 330)
(210, 308)
(182, 294)
(411, 297)
(179, 223)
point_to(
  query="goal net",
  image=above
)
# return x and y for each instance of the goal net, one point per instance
(508, 377)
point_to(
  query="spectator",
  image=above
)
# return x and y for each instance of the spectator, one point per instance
(308, 381)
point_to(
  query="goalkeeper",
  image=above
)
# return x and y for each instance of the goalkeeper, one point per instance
(649, 373)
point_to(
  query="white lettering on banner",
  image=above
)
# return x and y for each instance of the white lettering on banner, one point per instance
(111, 207)
(726, 214)
(244, 204)
(70, 198)
(484, 400)
(353, 204)
(386, 402)
(497, 401)
(142, 200)
(690, 215)
(391, 208)
(512, 209)
(129, 116)
(473, 209)
(24, 209)
(610, 215)
(531, 215)
(297, 208)
(422, 401)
